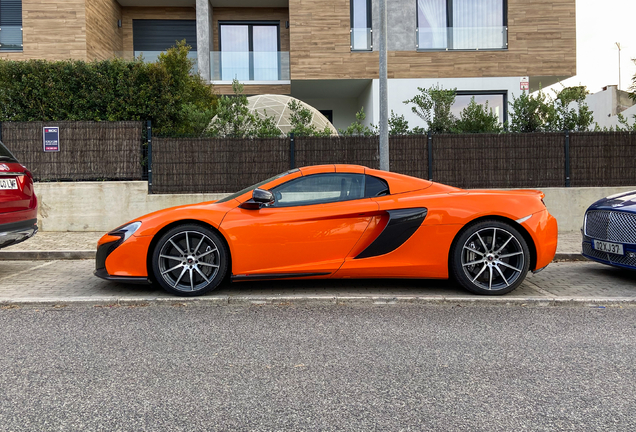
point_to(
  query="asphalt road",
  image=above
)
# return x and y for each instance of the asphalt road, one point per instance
(362, 368)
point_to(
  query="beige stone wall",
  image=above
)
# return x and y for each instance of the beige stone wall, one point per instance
(103, 38)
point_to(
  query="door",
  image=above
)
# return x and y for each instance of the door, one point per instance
(249, 51)
(312, 226)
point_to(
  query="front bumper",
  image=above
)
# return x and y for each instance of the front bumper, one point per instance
(16, 232)
(627, 261)
(103, 251)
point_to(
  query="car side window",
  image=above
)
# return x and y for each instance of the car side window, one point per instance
(375, 187)
(319, 189)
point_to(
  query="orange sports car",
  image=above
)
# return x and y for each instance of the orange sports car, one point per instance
(337, 221)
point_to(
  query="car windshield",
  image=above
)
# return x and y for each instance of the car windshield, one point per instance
(6, 155)
(251, 188)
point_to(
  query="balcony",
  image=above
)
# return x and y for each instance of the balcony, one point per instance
(10, 38)
(270, 67)
(153, 56)
(361, 39)
(462, 38)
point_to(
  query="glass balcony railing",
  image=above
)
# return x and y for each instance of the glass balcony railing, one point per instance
(250, 66)
(10, 38)
(462, 38)
(153, 56)
(361, 39)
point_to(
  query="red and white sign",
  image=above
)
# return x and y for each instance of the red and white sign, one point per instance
(524, 84)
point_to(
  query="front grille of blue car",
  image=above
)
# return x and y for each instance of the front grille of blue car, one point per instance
(624, 260)
(611, 226)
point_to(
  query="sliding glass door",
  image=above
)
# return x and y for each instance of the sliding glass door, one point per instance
(249, 51)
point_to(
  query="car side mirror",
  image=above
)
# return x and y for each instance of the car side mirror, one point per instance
(259, 199)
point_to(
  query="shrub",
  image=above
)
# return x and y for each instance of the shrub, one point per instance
(433, 105)
(477, 118)
(110, 90)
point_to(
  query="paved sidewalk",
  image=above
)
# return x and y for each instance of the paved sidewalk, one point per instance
(72, 282)
(82, 245)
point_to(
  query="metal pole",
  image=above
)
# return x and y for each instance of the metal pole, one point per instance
(292, 151)
(567, 158)
(430, 155)
(619, 64)
(149, 138)
(384, 103)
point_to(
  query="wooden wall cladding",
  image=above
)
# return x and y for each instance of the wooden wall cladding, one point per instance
(52, 31)
(251, 14)
(103, 38)
(254, 89)
(541, 42)
(131, 13)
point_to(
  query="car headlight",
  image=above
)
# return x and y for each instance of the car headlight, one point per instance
(125, 231)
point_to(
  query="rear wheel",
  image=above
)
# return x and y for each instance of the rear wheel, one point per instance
(490, 257)
(190, 260)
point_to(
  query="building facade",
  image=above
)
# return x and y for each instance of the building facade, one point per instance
(324, 53)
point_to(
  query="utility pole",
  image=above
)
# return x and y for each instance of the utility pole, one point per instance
(384, 93)
(618, 44)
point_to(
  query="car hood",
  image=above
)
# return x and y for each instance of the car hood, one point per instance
(624, 201)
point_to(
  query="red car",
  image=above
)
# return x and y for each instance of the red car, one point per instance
(18, 203)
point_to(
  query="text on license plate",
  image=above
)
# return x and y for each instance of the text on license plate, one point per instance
(8, 184)
(613, 248)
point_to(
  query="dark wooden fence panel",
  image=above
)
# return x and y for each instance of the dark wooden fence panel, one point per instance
(199, 165)
(333, 150)
(88, 150)
(409, 155)
(602, 159)
(499, 161)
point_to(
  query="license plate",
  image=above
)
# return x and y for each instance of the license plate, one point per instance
(8, 184)
(613, 248)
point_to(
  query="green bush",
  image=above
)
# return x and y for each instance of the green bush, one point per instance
(111, 90)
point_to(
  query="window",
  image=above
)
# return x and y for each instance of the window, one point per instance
(361, 33)
(319, 189)
(497, 101)
(151, 37)
(250, 50)
(461, 24)
(375, 187)
(10, 25)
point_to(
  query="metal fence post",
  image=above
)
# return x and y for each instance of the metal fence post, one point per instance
(430, 155)
(292, 151)
(567, 158)
(149, 139)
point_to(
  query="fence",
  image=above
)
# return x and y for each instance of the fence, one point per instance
(111, 151)
(466, 161)
(88, 150)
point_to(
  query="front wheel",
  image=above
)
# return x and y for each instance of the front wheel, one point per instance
(490, 257)
(189, 260)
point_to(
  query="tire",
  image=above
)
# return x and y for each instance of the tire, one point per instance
(483, 269)
(190, 260)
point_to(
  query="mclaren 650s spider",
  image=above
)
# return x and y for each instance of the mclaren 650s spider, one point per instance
(337, 221)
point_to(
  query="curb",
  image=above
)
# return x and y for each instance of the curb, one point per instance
(224, 300)
(46, 255)
(90, 254)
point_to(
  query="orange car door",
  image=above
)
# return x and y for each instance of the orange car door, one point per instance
(313, 225)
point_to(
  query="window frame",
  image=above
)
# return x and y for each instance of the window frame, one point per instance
(449, 24)
(369, 24)
(504, 93)
(21, 49)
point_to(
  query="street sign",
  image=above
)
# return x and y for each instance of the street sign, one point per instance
(524, 84)
(51, 139)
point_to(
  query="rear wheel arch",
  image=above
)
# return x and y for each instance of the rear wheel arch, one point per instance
(160, 233)
(524, 232)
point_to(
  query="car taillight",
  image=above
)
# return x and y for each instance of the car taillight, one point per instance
(28, 173)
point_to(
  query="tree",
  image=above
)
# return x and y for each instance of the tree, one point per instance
(531, 113)
(398, 125)
(572, 113)
(357, 128)
(477, 118)
(300, 119)
(433, 105)
(234, 119)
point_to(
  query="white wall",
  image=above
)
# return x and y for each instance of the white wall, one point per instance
(344, 110)
(403, 89)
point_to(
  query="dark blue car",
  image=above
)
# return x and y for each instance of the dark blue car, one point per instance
(609, 230)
